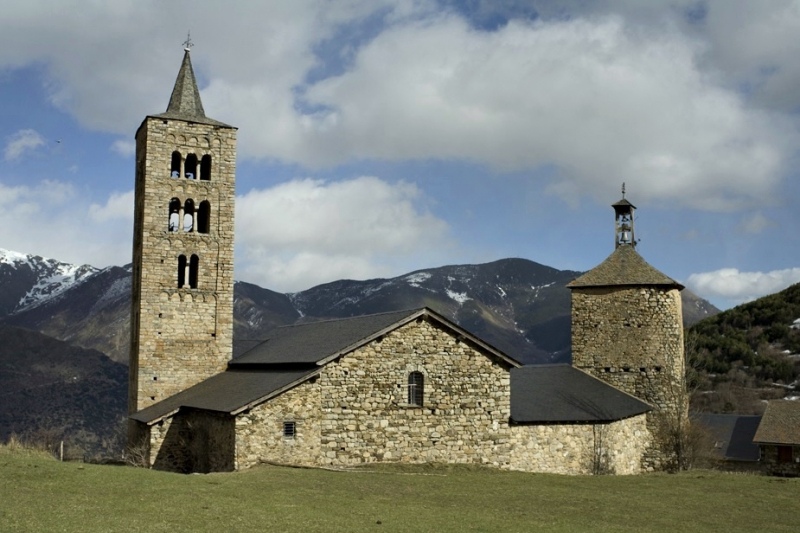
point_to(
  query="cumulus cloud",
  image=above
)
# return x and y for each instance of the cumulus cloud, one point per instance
(118, 206)
(756, 44)
(591, 97)
(22, 142)
(304, 232)
(51, 220)
(123, 147)
(738, 287)
(611, 93)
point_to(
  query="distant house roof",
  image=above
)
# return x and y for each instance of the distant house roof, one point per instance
(565, 394)
(624, 267)
(780, 423)
(291, 355)
(227, 392)
(318, 343)
(732, 434)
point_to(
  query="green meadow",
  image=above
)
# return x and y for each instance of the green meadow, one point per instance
(38, 493)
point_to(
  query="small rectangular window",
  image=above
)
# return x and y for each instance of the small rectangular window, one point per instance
(416, 388)
(289, 429)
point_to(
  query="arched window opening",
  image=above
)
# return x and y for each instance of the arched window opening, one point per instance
(416, 388)
(204, 217)
(175, 165)
(189, 215)
(190, 167)
(181, 271)
(205, 168)
(174, 215)
(194, 264)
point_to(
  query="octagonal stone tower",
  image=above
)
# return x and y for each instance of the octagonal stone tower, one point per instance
(627, 329)
(182, 309)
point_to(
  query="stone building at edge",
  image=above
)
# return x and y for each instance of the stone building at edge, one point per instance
(405, 386)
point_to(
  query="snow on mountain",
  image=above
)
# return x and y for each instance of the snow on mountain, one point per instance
(459, 297)
(49, 277)
(418, 277)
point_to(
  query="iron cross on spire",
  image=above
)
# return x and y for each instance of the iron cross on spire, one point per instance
(188, 44)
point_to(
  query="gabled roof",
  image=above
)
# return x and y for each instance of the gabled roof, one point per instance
(230, 392)
(185, 103)
(780, 423)
(320, 342)
(291, 355)
(732, 434)
(624, 267)
(564, 394)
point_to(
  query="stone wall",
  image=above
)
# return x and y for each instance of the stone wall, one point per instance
(356, 411)
(613, 448)
(632, 338)
(260, 435)
(180, 335)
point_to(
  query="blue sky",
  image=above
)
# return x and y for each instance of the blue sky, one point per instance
(379, 137)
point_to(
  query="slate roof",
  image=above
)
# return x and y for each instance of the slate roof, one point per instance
(563, 394)
(231, 391)
(289, 356)
(623, 203)
(733, 435)
(184, 103)
(624, 267)
(780, 423)
(319, 342)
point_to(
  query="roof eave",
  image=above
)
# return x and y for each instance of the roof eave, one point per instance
(276, 392)
(425, 311)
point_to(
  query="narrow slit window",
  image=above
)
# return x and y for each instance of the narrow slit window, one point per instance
(204, 217)
(181, 271)
(174, 215)
(416, 388)
(190, 168)
(175, 165)
(194, 265)
(188, 216)
(205, 168)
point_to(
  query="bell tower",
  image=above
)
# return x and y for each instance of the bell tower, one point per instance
(623, 224)
(627, 329)
(182, 304)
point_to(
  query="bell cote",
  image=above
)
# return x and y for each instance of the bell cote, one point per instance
(623, 223)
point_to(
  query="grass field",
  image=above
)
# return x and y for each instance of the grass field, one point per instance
(40, 494)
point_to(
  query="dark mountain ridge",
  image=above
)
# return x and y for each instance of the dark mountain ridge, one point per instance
(519, 306)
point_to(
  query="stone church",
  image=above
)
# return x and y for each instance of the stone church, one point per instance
(404, 386)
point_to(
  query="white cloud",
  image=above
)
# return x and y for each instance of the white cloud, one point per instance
(756, 44)
(738, 287)
(594, 98)
(124, 148)
(50, 220)
(613, 92)
(118, 206)
(304, 232)
(22, 142)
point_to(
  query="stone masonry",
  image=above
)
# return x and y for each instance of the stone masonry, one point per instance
(355, 411)
(632, 338)
(181, 335)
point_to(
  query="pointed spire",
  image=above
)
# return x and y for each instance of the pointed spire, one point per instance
(184, 103)
(185, 100)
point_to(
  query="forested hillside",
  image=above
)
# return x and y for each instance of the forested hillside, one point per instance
(748, 353)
